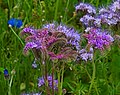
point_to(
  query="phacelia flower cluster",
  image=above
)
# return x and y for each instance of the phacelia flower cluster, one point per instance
(93, 22)
(43, 41)
(41, 82)
(105, 16)
(87, 20)
(84, 7)
(85, 55)
(73, 37)
(66, 54)
(38, 39)
(108, 17)
(115, 6)
(99, 39)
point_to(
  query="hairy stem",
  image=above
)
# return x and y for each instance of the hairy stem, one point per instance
(46, 79)
(62, 78)
(59, 87)
(53, 79)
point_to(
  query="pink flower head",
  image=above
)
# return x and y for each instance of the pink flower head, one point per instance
(98, 39)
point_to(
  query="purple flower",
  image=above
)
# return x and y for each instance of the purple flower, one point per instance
(98, 38)
(87, 20)
(55, 82)
(109, 18)
(28, 46)
(97, 22)
(56, 56)
(41, 82)
(115, 6)
(85, 55)
(106, 16)
(110, 15)
(28, 30)
(41, 41)
(103, 10)
(34, 65)
(37, 39)
(50, 26)
(73, 37)
(32, 93)
(85, 8)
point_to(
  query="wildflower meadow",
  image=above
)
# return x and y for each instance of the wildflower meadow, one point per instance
(59, 47)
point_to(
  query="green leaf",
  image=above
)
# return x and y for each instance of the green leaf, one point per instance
(70, 86)
(22, 86)
(1, 69)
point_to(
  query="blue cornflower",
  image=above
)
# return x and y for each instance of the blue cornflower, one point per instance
(15, 22)
(6, 74)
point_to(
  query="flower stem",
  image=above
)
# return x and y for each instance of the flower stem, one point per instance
(56, 10)
(53, 79)
(90, 78)
(70, 19)
(91, 1)
(59, 85)
(10, 84)
(17, 36)
(108, 1)
(46, 79)
(64, 19)
(60, 80)
(83, 1)
(97, 3)
(93, 77)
